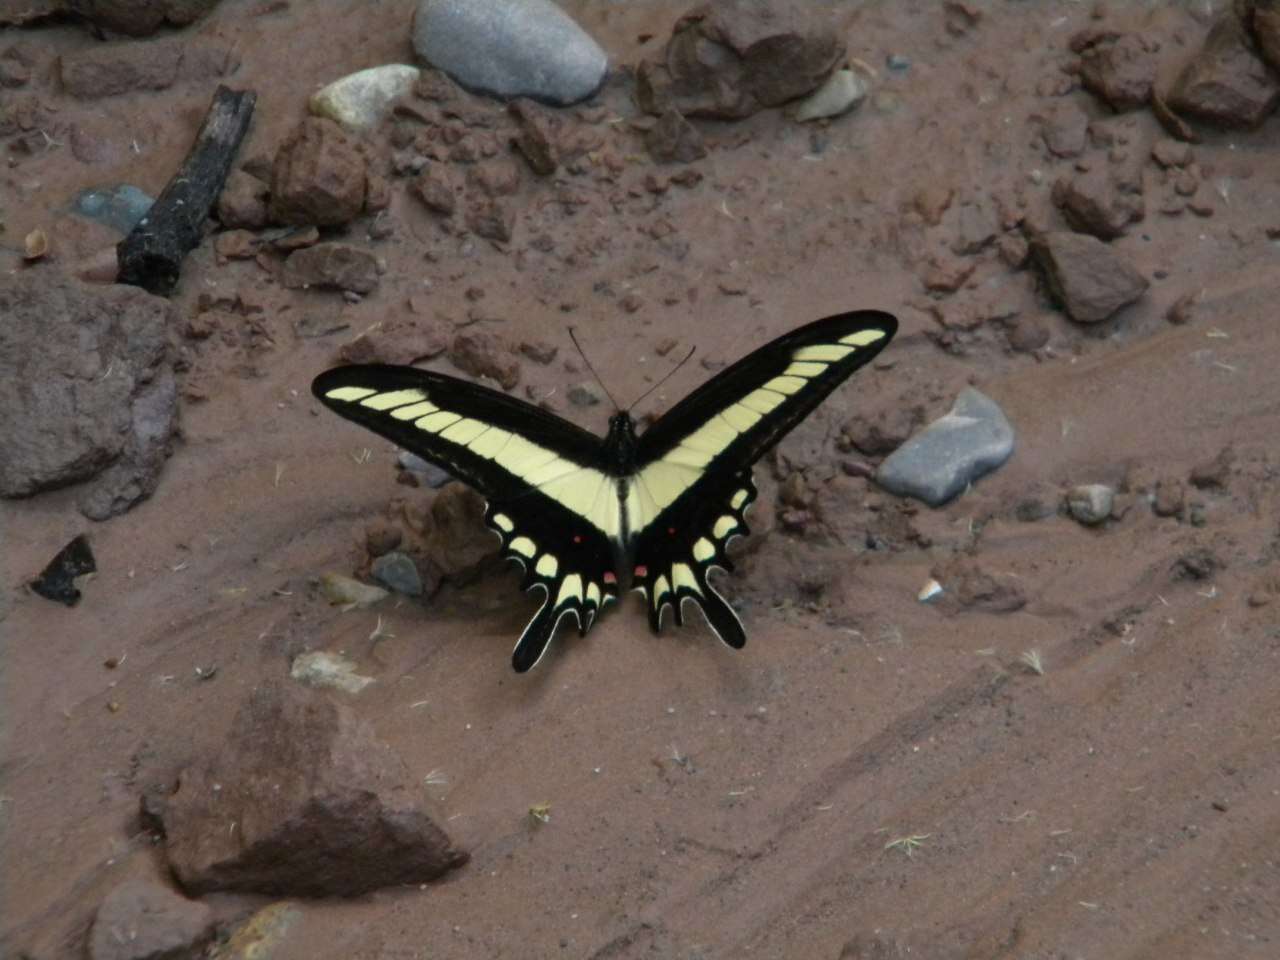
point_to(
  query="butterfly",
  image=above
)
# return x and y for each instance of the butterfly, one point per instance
(585, 516)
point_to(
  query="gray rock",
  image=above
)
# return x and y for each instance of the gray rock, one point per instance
(583, 395)
(143, 920)
(428, 473)
(301, 799)
(85, 388)
(511, 48)
(1091, 279)
(397, 571)
(119, 207)
(1090, 503)
(970, 441)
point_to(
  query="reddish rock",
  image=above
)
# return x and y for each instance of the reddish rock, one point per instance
(1225, 83)
(301, 800)
(143, 920)
(539, 351)
(402, 340)
(537, 130)
(138, 18)
(1171, 153)
(111, 69)
(1066, 130)
(243, 201)
(1090, 279)
(877, 434)
(492, 220)
(318, 176)
(673, 139)
(485, 355)
(728, 59)
(1093, 202)
(931, 202)
(1262, 19)
(1028, 334)
(437, 187)
(338, 265)
(456, 540)
(947, 274)
(1118, 68)
(495, 178)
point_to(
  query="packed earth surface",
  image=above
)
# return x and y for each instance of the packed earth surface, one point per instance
(1038, 721)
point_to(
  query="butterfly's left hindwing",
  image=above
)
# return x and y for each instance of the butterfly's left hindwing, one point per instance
(550, 500)
(561, 556)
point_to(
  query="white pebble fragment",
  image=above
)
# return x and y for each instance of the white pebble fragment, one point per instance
(321, 669)
(843, 91)
(360, 100)
(931, 589)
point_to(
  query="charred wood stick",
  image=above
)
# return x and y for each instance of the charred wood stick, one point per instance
(151, 255)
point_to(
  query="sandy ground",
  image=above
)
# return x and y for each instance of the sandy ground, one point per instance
(705, 803)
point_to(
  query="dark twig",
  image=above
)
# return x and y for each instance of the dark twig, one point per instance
(151, 255)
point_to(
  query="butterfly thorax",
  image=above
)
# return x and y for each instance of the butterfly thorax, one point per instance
(620, 445)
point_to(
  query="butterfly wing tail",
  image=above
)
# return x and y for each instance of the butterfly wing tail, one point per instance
(721, 618)
(535, 640)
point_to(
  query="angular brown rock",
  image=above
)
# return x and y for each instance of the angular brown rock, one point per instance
(338, 265)
(1118, 68)
(302, 800)
(318, 177)
(728, 59)
(1090, 279)
(1225, 83)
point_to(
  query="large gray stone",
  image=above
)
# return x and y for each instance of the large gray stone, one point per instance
(511, 48)
(143, 920)
(970, 441)
(85, 388)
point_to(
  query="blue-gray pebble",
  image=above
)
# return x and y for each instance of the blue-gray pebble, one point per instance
(511, 48)
(970, 441)
(427, 473)
(120, 207)
(396, 571)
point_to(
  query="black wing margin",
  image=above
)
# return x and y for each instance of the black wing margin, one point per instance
(693, 483)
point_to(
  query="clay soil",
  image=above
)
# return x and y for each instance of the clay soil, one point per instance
(705, 803)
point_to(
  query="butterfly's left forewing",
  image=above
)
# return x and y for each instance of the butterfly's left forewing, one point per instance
(549, 498)
(693, 481)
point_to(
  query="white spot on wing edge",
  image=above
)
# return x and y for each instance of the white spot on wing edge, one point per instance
(524, 546)
(724, 526)
(547, 566)
(703, 550)
(502, 521)
(804, 369)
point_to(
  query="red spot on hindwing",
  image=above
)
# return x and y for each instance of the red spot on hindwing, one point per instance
(642, 572)
(577, 538)
(609, 577)
(671, 531)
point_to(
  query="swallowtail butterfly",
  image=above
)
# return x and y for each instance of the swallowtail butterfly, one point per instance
(587, 516)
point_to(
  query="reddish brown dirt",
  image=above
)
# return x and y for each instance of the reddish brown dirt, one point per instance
(1124, 804)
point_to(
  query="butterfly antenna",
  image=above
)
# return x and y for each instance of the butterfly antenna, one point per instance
(582, 353)
(670, 373)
